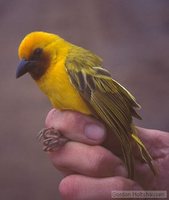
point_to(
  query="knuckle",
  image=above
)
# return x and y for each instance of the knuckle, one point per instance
(71, 117)
(49, 118)
(68, 188)
(74, 118)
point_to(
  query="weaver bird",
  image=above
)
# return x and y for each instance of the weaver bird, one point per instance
(73, 79)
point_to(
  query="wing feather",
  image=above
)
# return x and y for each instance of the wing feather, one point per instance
(110, 101)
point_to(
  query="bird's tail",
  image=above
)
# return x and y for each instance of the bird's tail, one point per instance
(128, 159)
(144, 153)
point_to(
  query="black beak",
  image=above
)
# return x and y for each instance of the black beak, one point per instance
(23, 67)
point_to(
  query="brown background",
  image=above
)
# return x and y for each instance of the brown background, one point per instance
(133, 39)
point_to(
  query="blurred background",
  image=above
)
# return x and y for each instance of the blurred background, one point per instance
(133, 39)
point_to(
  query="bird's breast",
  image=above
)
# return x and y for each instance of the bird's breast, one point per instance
(59, 89)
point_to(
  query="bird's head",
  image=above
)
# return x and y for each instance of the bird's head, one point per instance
(35, 53)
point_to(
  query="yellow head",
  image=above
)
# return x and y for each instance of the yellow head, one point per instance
(36, 52)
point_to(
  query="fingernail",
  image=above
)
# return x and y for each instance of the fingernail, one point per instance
(94, 132)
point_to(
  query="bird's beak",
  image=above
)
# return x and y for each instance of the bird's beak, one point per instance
(23, 67)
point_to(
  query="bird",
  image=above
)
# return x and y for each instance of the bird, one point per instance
(73, 78)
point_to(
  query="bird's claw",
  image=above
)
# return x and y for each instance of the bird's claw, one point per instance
(51, 138)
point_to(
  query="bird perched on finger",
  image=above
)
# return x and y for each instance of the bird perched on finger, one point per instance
(73, 78)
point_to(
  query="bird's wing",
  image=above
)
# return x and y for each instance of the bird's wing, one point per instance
(111, 102)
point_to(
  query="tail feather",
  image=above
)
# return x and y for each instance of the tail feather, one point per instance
(144, 153)
(128, 160)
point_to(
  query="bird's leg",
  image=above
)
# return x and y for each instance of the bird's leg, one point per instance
(52, 139)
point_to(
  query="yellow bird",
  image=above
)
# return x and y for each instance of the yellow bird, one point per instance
(73, 79)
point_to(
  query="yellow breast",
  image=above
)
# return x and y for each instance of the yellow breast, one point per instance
(59, 89)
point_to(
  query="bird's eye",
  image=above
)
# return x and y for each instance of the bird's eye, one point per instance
(36, 54)
(37, 51)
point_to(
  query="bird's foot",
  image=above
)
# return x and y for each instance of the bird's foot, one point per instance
(52, 139)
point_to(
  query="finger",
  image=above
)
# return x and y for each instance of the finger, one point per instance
(154, 139)
(77, 187)
(76, 126)
(155, 142)
(94, 161)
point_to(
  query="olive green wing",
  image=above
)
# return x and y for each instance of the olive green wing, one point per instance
(113, 104)
(92, 81)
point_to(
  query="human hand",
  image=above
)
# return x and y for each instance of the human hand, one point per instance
(92, 171)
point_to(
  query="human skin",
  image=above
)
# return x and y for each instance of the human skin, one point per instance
(91, 171)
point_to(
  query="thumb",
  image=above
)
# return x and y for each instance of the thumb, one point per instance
(76, 126)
